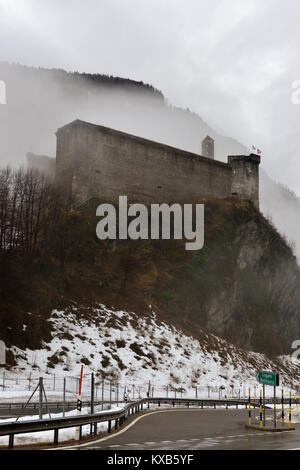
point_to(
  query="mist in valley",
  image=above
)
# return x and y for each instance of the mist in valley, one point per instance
(40, 101)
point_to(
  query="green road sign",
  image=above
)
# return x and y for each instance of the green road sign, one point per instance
(268, 378)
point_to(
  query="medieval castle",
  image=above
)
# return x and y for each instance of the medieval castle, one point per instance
(96, 161)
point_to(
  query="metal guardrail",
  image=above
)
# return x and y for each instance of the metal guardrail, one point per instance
(118, 416)
(52, 404)
(72, 404)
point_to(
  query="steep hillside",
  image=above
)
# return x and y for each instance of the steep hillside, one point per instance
(243, 285)
(132, 349)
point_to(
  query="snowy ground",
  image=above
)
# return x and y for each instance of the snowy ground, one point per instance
(130, 351)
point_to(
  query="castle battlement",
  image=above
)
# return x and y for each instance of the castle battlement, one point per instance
(98, 161)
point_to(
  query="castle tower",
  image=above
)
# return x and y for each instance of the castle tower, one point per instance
(245, 177)
(208, 147)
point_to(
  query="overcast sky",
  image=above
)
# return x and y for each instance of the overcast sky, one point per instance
(231, 61)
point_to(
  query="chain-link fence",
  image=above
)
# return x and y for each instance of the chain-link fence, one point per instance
(112, 391)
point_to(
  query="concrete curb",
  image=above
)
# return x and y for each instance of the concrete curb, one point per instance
(257, 428)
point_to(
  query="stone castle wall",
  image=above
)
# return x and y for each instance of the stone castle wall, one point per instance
(97, 161)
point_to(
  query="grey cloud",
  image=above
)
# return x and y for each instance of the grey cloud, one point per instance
(231, 62)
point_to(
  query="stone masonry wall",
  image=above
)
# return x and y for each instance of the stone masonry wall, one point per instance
(97, 161)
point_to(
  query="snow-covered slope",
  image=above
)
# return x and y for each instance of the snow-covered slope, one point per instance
(130, 349)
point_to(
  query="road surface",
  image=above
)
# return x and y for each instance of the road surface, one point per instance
(193, 429)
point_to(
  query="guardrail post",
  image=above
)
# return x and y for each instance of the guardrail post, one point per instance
(109, 426)
(95, 429)
(56, 436)
(80, 433)
(11, 441)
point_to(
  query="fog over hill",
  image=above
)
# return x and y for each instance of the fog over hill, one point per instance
(40, 101)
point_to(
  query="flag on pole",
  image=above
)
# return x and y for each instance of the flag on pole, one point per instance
(257, 150)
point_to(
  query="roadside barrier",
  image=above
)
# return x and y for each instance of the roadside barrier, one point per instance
(112, 417)
(260, 410)
(290, 411)
(249, 407)
(296, 401)
(282, 408)
(262, 426)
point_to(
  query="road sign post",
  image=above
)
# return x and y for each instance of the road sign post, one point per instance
(274, 406)
(268, 378)
(264, 405)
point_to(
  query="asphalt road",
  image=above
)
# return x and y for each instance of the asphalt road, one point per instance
(193, 429)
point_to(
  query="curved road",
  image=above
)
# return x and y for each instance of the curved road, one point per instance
(193, 429)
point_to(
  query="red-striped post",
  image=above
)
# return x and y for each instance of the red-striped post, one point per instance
(79, 405)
